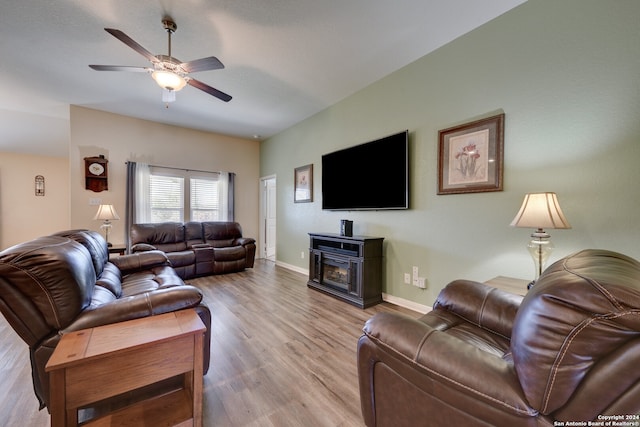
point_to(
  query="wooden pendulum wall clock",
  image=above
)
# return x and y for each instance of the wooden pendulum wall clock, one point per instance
(95, 173)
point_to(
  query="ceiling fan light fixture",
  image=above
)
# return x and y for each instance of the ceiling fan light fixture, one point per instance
(168, 80)
(169, 73)
(168, 95)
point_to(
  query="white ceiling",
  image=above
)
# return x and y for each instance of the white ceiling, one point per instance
(285, 59)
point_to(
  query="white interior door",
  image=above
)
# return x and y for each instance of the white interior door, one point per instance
(268, 221)
(271, 219)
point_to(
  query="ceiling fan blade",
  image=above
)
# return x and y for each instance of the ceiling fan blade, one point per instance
(121, 68)
(131, 43)
(202, 64)
(211, 91)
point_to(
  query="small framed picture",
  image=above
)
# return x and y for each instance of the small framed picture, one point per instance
(470, 157)
(303, 184)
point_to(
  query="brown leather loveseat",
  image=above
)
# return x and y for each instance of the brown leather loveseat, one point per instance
(197, 248)
(65, 282)
(568, 353)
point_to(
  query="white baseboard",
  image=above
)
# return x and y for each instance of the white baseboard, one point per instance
(420, 308)
(385, 297)
(293, 268)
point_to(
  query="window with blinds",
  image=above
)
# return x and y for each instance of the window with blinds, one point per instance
(178, 196)
(166, 194)
(205, 203)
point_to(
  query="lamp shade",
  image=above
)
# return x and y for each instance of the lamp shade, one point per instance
(106, 212)
(540, 210)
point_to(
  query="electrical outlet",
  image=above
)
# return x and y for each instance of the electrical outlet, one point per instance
(407, 278)
(421, 283)
(95, 201)
(415, 276)
(302, 255)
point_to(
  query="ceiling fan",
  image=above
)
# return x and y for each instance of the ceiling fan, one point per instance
(169, 73)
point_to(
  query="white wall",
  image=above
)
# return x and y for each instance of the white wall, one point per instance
(23, 215)
(121, 139)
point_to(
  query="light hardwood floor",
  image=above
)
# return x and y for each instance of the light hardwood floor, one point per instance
(281, 355)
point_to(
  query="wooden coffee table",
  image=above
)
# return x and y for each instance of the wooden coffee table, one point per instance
(94, 364)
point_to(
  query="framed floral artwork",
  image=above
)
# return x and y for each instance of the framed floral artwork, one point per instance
(303, 184)
(470, 157)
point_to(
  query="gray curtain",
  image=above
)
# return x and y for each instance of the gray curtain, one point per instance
(232, 201)
(130, 207)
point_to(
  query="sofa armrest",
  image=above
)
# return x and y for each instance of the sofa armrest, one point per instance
(436, 362)
(200, 246)
(142, 247)
(140, 261)
(243, 241)
(482, 305)
(150, 303)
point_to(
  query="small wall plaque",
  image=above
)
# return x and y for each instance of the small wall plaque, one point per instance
(39, 185)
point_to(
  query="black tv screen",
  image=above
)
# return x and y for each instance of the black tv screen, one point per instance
(370, 176)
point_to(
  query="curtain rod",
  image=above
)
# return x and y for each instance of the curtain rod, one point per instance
(178, 169)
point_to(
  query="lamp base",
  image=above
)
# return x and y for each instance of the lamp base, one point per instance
(540, 247)
(106, 226)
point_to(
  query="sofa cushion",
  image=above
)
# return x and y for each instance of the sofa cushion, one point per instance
(486, 307)
(53, 273)
(101, 296)
(94, 243)
(181, 258)
(221, 234)
(149, 280)
(456, 326)
(142, 247)
(167, 236)
(232, 253)
(171, 247)
(580, 310)
(111, 279)
(193, 233)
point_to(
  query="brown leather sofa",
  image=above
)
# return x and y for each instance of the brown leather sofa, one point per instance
(65, 282)
(568, 351)
(197, 248)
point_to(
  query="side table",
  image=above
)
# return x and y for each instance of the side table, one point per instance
(509, 284)
(120, 250)
(94, 364)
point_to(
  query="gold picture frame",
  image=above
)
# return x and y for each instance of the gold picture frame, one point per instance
(470, 157)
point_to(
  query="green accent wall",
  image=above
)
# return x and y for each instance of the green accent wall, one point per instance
(567, 76)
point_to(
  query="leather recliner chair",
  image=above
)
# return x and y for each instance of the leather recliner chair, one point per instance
(568, 351)
(65, 282)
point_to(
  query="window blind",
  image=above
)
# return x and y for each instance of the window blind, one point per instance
(205, 200)
(177, 195)
(166, 195)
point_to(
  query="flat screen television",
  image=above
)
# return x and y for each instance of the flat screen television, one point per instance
(369, 176)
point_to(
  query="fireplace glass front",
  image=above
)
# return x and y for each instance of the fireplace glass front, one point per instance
(336, 274)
